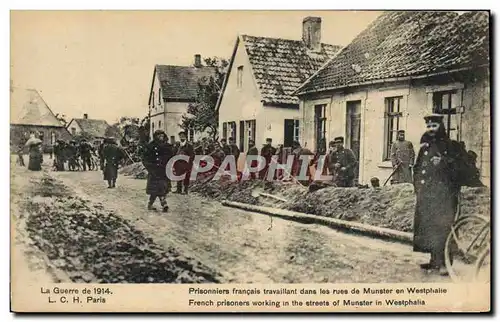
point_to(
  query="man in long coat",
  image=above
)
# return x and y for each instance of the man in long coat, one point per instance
(436, 177)
(267, 151)
(182, 167)
(234, 150)
(156, 156)
(344, 163)
(402, 158)
(86, 154)
(298, 151)
(252, 150)
(112, 156)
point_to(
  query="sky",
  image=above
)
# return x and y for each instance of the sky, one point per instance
(101, 62)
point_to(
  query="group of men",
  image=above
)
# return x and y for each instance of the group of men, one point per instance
(77, 155)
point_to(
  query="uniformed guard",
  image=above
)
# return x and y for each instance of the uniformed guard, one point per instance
(267, 151)
(59, 155)
(182, 167)
(252, 150)
(112, 157)
(344, 163)
(86, 154)
(156, 156)
(298, 161)
(72, 155)
(402, 158)
(234, 150)
(436, 175)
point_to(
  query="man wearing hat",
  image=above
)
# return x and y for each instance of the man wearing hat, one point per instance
(436, 181)
(402, 159)
(267, 152)
(85, 153)
(182, 167)
(112, 155)
(156, 156)
(344, 164)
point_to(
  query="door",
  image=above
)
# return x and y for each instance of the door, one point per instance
(353, 129)
(289, 133)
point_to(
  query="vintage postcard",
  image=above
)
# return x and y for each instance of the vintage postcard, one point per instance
(250, 161)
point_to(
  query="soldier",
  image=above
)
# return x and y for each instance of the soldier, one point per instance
(72, 155)
(402, 158)
(225, 148)
(86, 154)
(59, 155)
(437, 173)
(182, 167)
(252, 150)
(330, 159)
(156, 156)
(344, 163)
(267, 152)
(321, 152)
(234, 150)
(112, 156)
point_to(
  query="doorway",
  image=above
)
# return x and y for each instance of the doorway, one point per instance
(353, 130)
(288, 136)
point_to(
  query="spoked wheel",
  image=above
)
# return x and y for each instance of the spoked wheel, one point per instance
(482, 272)
(468, 239)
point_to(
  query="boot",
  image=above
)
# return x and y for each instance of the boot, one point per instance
(110, 184)
(114, 183)
(163, 202)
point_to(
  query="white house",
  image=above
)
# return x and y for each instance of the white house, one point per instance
(401, 67)
(256, 101)
(173, 88)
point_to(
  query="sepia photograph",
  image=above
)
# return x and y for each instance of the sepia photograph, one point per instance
(264, 149)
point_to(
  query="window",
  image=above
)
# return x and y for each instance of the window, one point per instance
(392, 123)
(232, 130)
(190, 134)
(296, 130)
(249, 132)
(320, 122)
(153, 99)
(73, 130)
(239, 78)
(224, 129)
(153, 126)
(52, 138)
(159, 96)
(443, 103)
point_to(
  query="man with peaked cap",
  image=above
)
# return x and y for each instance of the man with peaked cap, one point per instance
(402, 159)
(155, 158)
(298, 162)
(112, 156)
(436, 179)
(86, 154)
(182, 167)
(344, 164)
(267, 152)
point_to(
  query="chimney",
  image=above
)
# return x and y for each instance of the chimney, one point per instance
(311, 33)
(85, 116)
(197, 60)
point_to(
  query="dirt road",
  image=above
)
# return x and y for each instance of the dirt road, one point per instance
(244, 247)
(250, 248)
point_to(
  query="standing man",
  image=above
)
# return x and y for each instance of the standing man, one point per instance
(267, 152)
(252, 150)
(86, 154)
(182, 167)
(298, 162)
(112, 156)
(59, 155)
(402, 158)
(72, 152)
(436, 181)
(156, 156)
(344, 164)
(234, 150)
(225, 148)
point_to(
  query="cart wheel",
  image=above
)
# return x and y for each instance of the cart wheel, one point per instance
(468, 237)
(482, 272)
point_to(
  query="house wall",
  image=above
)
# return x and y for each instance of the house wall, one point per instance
(272, 123)
(75, 125)
(472, 93)
(20, 133)
(241, 104)
(167, 116)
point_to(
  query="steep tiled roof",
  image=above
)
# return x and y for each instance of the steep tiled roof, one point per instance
(29, 108)
(402, 44)
(181, 82)
(96, 128)
(280, 66)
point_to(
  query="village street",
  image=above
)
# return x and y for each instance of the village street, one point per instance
(242, 247)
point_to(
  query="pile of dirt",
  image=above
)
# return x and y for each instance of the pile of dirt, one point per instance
(91, 244)
(135, 170)
(389, 207)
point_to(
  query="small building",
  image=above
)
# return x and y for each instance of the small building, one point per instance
(31, 114)
(173, 88)
(401, 67)
(257, 98)
(96, 129)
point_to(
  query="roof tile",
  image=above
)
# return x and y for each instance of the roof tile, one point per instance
(181, 82)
